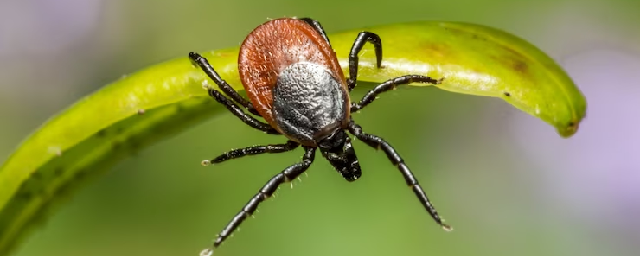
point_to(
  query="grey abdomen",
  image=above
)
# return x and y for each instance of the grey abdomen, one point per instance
(308, 101)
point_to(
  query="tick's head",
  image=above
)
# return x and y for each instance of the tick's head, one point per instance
(338, 150)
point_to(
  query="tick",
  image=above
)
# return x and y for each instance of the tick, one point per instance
(295, 83)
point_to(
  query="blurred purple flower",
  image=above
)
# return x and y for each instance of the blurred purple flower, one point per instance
(595, 175)
(36, 26)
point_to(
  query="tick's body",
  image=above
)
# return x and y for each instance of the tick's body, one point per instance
(294, 81)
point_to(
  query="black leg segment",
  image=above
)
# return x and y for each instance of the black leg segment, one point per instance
(222, 84)
(247, 119)
(254, 150)
(362, 38)
(394, 157)
(316, 25)
(290, 173)
(391, 84)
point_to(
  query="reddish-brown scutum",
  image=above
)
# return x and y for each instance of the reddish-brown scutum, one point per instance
(272, 47)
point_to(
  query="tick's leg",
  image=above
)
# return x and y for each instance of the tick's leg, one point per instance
(290, 173)
(391, 84)
(254, 150)
(316, 25)
(362, 38)
(247, 119)
(378, 143)
(222, 84)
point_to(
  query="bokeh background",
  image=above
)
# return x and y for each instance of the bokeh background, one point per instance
(506, 181)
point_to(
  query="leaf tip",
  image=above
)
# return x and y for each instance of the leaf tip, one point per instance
(569, 130)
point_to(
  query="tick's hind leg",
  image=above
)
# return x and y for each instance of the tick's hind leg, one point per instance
(288, 174)
(317, 26)
(391, 84)
(378, 143)
(244, 117)
(254, 150)
(362, 38)
(222, 84)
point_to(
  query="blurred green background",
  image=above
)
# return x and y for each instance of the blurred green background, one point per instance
(504, 180)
